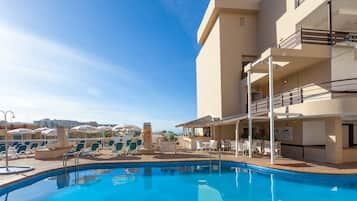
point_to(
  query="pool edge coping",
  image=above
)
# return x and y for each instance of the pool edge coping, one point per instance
(263, 167)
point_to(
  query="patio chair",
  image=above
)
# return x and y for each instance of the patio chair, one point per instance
(245, 147)
(225, 145)
(233, 145)
(277, 147)
(199, 146)
(266, 147)
(118, 148)
(213, 145)
(241, 148)
(259, 147)
(132, 148)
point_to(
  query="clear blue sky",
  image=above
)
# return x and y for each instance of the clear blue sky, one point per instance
(119, 61)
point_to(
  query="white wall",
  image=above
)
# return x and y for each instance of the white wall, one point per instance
(313, 132)
(208, 75)
(344, 66)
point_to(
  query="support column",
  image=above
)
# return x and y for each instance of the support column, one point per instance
(271, 109)
(213, 136)
(250, 123)
(237, 137)
(334, 141)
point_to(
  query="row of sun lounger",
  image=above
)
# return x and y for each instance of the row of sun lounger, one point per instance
(128, 147)
(17, 149)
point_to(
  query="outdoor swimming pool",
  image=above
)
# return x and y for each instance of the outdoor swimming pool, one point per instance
(181, 181)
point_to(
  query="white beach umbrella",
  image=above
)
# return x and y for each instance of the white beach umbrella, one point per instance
(85, 129)
(104, 128)
(49, 132)
(117, 128)
(41, 129)
(22, 132)
(126, 127)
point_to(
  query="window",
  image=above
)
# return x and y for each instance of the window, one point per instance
(298, 3)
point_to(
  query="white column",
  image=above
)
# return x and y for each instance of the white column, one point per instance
(237, 137)
(271, 109)
(250, 129)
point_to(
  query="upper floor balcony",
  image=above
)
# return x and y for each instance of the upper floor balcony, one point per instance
(316, 15)
(318, 37)
(343, 88)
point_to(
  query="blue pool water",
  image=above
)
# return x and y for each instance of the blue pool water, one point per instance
(188, 181)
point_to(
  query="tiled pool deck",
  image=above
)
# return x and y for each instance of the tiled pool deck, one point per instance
(107, 157)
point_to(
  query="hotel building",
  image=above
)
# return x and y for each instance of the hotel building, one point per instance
(304, 52)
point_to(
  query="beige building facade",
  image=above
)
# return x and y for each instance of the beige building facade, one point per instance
(311, 46)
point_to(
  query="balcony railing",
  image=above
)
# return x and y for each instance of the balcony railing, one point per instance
(308, 93)
(317, 37)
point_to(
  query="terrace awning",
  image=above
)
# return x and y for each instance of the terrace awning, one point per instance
(202, 122)
(286, 61)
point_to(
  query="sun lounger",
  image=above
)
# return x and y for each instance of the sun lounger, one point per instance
(76, 151)
(2, 151)
(14, 144)
(109, 145)
(132, 148)
(139, 142)
(128, 143)
(118, 148)
(33, 147)
(21, 150)
(92, 150)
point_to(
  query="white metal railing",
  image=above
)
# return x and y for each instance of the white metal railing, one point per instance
(317, 37)
(308, 93)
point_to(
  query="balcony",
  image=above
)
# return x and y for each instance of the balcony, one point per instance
(308, 93)
(317, 37)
